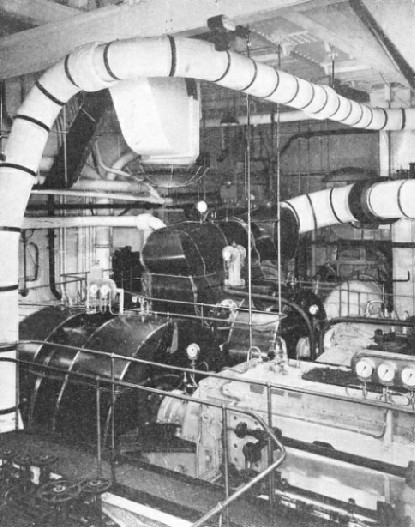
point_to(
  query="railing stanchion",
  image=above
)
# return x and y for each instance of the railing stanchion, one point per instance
(17, 387)
(225, 459)
(270, 456)
(112, 405)
(98, 425)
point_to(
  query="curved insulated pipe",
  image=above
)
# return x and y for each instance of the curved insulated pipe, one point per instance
(98, 66)
(365, 202)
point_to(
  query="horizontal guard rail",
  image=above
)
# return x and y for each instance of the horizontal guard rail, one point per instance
(221, 506)
(204, 373)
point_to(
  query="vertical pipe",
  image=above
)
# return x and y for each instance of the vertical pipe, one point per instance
(51, 251)
(225, 458)
(384, 154)
(17, 388)
(278, 132)
(112, 407)
(24, 291)
(62, 252)
(102, 245)
(270, 457)
(249, 203)
(65, 151)
(98, 426)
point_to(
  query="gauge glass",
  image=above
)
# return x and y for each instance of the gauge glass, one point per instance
(408, 377)
(364, 369)
(386, 372)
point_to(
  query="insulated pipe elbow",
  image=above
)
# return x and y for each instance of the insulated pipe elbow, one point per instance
(321, 209)
(381, 202)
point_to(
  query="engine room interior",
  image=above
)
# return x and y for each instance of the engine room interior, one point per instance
(207, 273)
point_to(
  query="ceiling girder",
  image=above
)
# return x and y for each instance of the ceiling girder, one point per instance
(372, 55)
(384, 41)
(36, 12)
(38, 48)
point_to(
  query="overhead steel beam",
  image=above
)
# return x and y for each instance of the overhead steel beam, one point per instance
(396, 19)
(351, 43)
(38, 48)
(385, 42)
(36, 12)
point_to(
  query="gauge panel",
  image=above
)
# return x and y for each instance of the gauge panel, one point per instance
(384, 368)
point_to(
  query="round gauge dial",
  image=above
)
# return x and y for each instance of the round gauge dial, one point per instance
(313, 310)
(365, 368)
(386, 372)
(193, 351)
(408, 377)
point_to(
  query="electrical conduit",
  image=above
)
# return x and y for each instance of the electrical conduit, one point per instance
(98, 66)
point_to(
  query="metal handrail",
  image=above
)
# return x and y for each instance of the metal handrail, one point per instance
(221, 506)
(204, 373)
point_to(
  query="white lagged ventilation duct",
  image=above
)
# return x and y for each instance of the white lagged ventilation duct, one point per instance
(98, 66)
(365, 202)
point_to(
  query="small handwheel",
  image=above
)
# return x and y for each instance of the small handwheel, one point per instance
(23, 460)
(45, 460)
(7, 455)
(96, 486)
(59, 491)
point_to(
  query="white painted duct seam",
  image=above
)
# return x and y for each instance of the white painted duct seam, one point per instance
(95, 67)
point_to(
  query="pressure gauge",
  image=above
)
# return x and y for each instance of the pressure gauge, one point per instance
(313, 310)
(386, 372)
(192, 351)
(365, 368)
(408, 377)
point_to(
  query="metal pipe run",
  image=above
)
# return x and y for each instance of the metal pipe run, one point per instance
(256, 119)
(107, 195)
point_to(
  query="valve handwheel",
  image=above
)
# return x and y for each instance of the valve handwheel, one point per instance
(45, 460)
(7, 455)
(96, 486)
(59, 491)
(23, 460)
